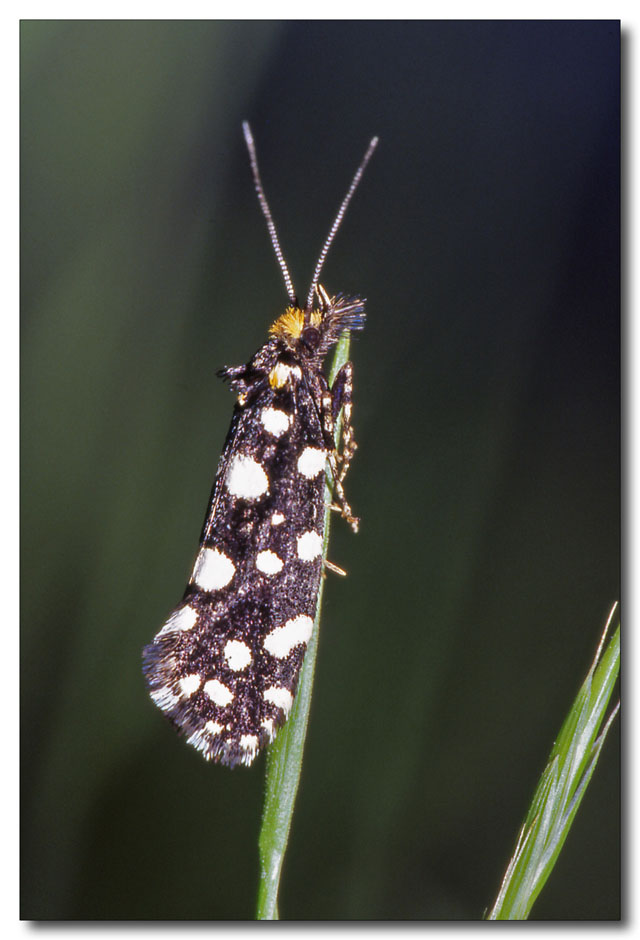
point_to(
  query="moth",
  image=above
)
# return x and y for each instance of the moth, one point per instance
(224, 668)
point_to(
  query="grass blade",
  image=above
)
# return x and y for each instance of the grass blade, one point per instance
(563, 783)
(284, 756)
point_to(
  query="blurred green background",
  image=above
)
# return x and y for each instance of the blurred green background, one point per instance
(485, 236)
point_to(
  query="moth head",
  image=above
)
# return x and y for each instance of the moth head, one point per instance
(309, 334)
(299, 330)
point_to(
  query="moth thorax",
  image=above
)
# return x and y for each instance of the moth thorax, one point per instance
(283, 373)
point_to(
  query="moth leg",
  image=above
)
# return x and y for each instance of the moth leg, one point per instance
(329, 565)
(331, 403)
(236, 376)
(342, 398)
(341, 505)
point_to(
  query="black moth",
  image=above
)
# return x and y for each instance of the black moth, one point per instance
(224, 667)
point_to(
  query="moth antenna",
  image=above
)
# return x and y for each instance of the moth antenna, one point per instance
(338, 219)
(264, 205)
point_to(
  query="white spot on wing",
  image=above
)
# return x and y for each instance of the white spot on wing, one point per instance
(309, 545)
(246, 478)
(276, 422)
(249, 744)
(281, 698)
(293, 633)
(190, 684)
(237, 655)
(218, 692)
(212, 570)
(268, 562)
(277, 518)
(267, 724)
(183, 619)
(311, 462)
(199, 740)
(164, 698)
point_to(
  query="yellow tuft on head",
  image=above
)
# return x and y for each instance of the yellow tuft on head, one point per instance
(289, 325)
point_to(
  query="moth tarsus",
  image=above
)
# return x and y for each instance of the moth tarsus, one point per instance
(224, 668)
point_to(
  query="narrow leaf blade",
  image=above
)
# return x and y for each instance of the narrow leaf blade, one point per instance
(563, 783)
(284, 756)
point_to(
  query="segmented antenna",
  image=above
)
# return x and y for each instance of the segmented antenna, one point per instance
(264, 205)
(338, 219)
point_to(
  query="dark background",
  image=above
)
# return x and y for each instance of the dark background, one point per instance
(485, 236)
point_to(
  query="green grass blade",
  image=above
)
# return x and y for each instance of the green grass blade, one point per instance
(563, 783)
(284, 756)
